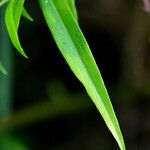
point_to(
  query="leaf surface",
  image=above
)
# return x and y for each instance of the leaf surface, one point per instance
(12, 20)
(71, 4)
(74, 48)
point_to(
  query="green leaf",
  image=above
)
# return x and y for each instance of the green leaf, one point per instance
(2, 2)
(71, 4)
(26, 14)
(12, 20)
(76, 51)
(2, 69)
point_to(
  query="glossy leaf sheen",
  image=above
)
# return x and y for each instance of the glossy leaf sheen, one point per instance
(76, 51)
(12, 20)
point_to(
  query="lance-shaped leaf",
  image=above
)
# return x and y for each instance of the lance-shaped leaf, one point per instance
(12, 20)
(71, 4)
(26, 14)
(2, 69)
(76, 52)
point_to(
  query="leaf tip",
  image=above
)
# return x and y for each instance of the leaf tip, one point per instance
(21, 51)
(2, 70)
(25, 56)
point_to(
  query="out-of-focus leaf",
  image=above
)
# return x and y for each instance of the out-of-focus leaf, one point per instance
(8, 142)
(2, 69)
(76, 51)
(26, 14)
(12, 20)
(71, 4)
(2, 2)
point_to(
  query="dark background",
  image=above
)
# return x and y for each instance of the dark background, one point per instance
(49, 108)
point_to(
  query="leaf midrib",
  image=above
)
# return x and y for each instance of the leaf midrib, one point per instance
(95, 88)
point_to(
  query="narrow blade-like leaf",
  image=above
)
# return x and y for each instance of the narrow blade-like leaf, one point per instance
(26, 14)
(2, 69)
(12, 19)
(75, 50)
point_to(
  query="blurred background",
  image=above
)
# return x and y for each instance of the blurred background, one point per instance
(44, 107)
